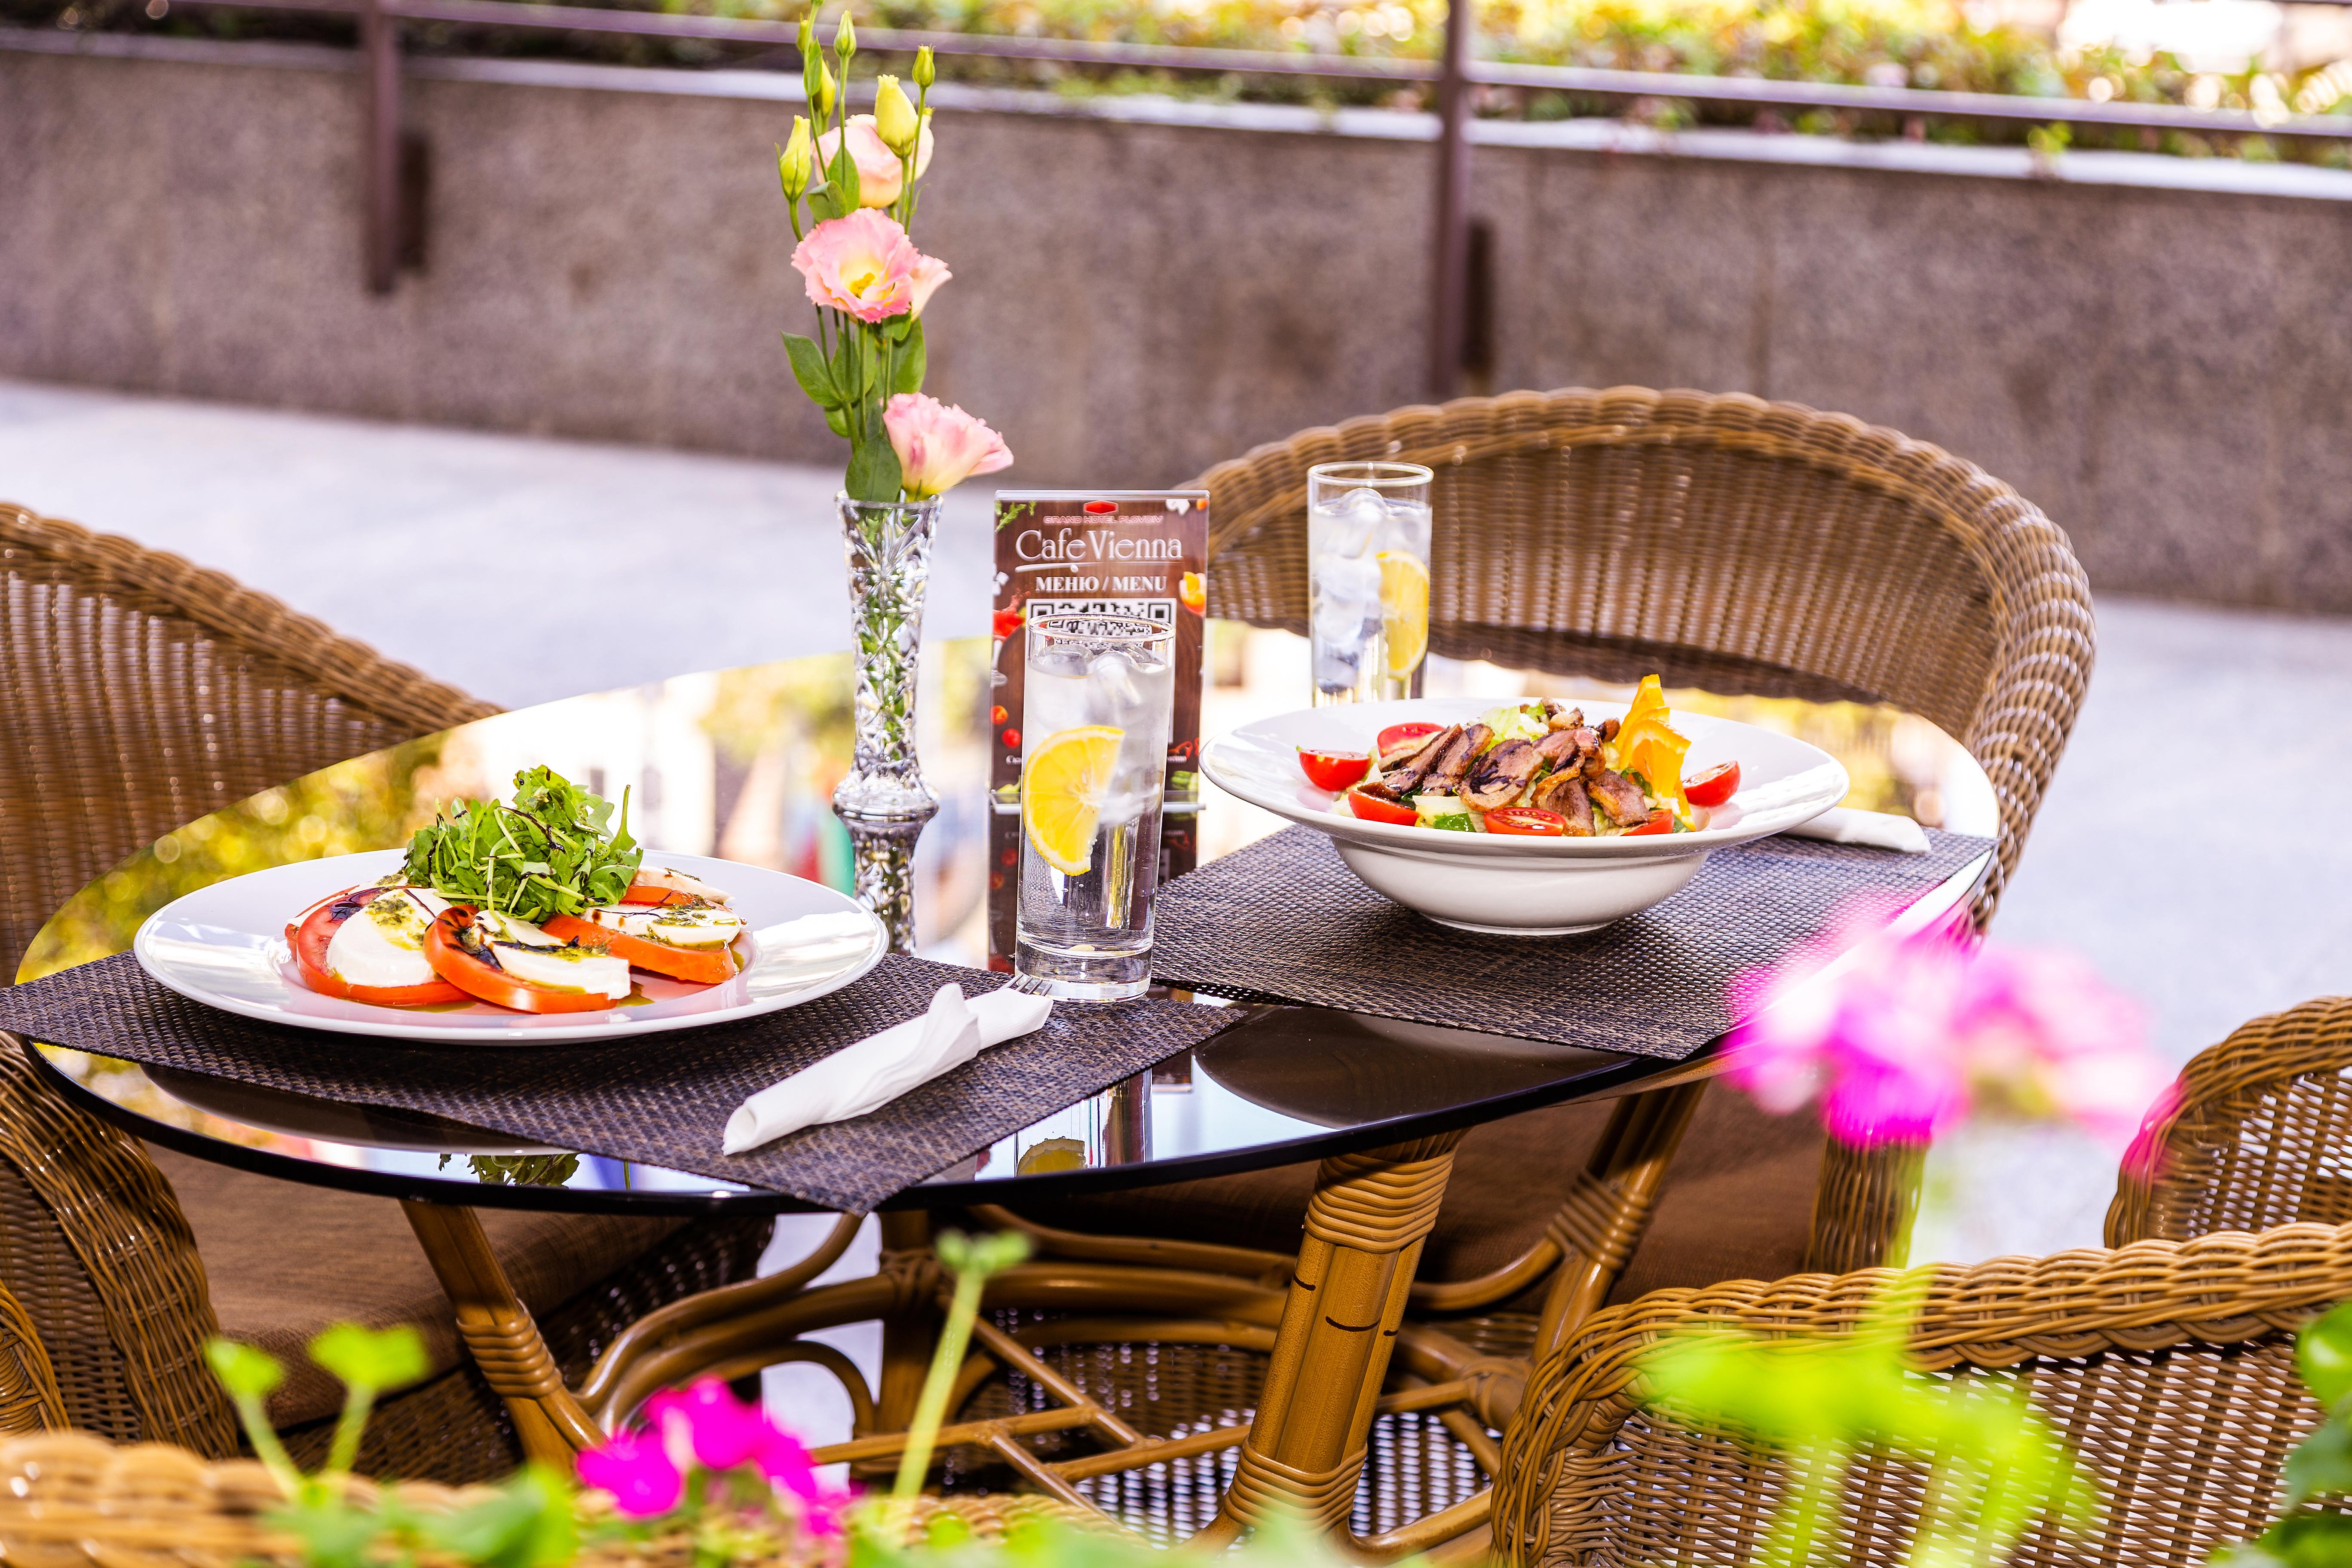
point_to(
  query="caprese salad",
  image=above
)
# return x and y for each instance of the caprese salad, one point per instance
(543, 904)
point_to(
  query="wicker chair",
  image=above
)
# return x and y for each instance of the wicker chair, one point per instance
(2256, 1131)
(138, 693)
(2169, 1367)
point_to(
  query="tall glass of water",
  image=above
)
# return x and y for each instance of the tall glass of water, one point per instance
(1098, 694)
(1366, 578)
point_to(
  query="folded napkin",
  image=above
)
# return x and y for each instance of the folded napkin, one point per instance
(1878, 830)
(880, 1068)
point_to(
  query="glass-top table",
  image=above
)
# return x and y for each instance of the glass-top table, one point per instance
(740, 763)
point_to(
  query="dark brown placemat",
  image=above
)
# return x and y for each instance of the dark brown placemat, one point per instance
(660, 1099)
(1284, 919)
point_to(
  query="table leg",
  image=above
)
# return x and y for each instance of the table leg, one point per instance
(1365, 1225)
(498, 1330)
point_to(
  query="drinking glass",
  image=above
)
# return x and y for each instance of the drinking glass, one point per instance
(1099, 695)
(1366, 578)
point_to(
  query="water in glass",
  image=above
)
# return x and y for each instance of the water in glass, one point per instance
(1098, 696)
(1368, 527)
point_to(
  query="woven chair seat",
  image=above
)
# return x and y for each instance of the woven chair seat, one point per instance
(1738, 1204)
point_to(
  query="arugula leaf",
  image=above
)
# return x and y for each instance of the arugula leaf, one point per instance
(553, 850)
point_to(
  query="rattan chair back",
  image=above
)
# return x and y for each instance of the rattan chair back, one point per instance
(1721, 541)
(2256, 1131)
(138, 693)
(2167, 1367)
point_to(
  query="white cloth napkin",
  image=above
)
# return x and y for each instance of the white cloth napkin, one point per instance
(1879, 829)
(880, 1068)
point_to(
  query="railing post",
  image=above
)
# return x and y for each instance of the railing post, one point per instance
(1450, 277)
(379, 146)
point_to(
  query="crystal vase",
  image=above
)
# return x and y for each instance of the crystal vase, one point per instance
(889, 547)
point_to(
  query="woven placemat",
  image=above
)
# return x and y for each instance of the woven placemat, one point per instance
(1284, 919)
(661, 1098)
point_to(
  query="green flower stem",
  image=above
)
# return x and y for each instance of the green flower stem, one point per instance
(931, 1405)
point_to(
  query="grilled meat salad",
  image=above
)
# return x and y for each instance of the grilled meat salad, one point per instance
(1597, 779)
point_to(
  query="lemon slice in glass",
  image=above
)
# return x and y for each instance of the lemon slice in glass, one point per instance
(1061, 794)
(1404, 610)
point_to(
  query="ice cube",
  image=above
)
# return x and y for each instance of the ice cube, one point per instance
(1113, 697)
(1350, 521)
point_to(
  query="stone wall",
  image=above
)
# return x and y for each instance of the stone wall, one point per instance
(2157, 351)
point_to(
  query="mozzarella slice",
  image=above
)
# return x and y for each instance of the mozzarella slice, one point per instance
(677, 882)
(382, 941)
(674, 925)
(531, 954)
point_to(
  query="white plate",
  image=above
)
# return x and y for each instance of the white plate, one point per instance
(1516, 885)
(225, 946)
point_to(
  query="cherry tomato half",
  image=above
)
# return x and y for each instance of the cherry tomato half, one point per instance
(1527, 821)
(1712, 787)
(1372, 808)
(1661, 821)
(1333, 770)
(1396, 735)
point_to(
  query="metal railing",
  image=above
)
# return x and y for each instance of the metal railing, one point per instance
(1455, 74)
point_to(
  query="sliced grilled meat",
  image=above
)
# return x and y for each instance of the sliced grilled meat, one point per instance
(1496, 778)
(1564, 793)
(1379, 791)
(1565, 749)
(1406, 751)
(1447, 775)
(1407, 779)
(1565, 718)
(1618, 798)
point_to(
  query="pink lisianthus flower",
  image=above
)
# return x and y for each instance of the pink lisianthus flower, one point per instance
(880, 177)
(1906, 1037)
(637, 1470)
(721, 1431)
(865, 265)
(939, 446)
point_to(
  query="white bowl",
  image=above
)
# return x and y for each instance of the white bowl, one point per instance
(1519, 886)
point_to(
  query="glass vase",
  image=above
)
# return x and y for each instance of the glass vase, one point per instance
(889, 548)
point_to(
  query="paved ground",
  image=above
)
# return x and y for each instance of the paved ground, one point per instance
(2208, 911)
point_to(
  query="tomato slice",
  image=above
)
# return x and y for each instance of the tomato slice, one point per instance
(1333, 770)
(1527, 821)
(1396, 735)
(1712, 787)
(310, 936)
(1372, 808)
(474, 975)
(1661, 821)
(647, 894)
(705, 965)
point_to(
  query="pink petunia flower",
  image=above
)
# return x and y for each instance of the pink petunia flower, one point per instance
(722, 1430)
(1899, 1038)
(865, 265)
(635, 1469)
(939, 446)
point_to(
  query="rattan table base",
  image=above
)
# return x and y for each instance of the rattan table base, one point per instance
(1284, 919)
(661, 1098)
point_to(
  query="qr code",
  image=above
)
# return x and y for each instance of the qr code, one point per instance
(1160, 610)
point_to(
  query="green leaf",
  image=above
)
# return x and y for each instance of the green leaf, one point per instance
(810, 369)
(367, 1358)
(2321, 1463)
(873, 472)
(842, 175)
(2305, 1540)
(837, 421)
(910, 376)
(2323, 1353)
(244, 1372)
(822, 203)
(333, 1533)
(845, 368)
(528, 1524)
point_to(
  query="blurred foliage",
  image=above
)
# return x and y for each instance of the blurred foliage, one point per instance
(373, 802)
(1928, 44)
